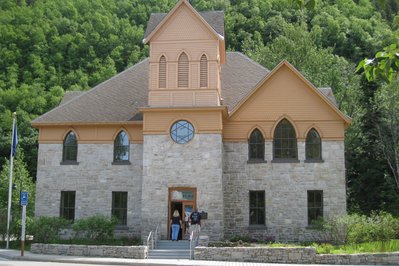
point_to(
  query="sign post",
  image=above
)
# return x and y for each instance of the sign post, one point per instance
(24, 202)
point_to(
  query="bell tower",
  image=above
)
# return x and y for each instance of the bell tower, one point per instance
(186, 53)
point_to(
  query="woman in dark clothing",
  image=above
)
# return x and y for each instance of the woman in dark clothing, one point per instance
(175, 223)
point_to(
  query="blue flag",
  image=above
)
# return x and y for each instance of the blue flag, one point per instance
(14, 141)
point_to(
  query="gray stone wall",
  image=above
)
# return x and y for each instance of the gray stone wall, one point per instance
(93, 179)
(131, 252)
(197, 164)
(285, 186)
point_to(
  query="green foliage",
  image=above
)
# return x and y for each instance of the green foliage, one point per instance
(368, 247)
(384, 66)
(47, 229)
(355, 228)
(95, 228)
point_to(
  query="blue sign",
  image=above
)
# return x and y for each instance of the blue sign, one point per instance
(24, 198)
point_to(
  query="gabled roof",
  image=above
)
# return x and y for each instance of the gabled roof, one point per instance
(114, 100)
(118, 99)
(213, 20)
(323, 93)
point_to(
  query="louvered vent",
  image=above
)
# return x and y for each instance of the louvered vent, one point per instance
(182, 78)
(162, 72)
(204, 72)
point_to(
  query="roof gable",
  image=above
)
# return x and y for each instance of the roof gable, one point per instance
(212, 20)
(285, 90)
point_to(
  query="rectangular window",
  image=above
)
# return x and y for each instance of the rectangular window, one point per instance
(257, 208)
(67, 206)
(315, 205)
(119, 207)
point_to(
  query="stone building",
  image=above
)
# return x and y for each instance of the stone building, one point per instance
(259, 152)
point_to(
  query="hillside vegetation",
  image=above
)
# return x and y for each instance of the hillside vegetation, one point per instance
(48, 47)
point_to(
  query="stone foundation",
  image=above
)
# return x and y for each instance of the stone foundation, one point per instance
(291, 255)
(132, 252)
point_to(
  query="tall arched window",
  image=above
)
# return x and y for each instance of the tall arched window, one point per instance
(162, 72)
(256, 146)
(313, 145)
(70, 148)
(204, 71)
(284, 142)
(121, 147)
(183, 70)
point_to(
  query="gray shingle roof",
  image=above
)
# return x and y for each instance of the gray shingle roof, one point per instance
(114, 100)
(214, 18)
(118, 99)
(69, 95)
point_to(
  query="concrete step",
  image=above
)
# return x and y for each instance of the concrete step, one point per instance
(169, 254)
(173, 244)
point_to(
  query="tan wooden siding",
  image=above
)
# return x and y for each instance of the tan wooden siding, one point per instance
(194, 77)
(184, 25)
(183, 97)
(285, 95)
(153, 76)
(96, 134)
(194, 49)
(203, 121)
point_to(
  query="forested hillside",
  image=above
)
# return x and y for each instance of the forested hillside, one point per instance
(48, 47)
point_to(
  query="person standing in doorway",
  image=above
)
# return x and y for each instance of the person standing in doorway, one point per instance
(175, 223)
(195, 222)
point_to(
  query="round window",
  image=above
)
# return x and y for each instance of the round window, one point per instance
(182, 132)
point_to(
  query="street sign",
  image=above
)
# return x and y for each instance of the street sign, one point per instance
(24, 198)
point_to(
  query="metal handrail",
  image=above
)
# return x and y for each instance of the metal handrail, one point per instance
(194, 236)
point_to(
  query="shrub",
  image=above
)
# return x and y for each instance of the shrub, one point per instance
(46, 229)
(355, 228)
(96, 227)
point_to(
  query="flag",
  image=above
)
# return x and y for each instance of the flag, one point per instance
(14, 140)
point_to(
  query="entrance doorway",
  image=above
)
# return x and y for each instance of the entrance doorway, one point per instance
(184, 201)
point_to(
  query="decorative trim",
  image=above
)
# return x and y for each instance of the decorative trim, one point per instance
(69, 163)
(121, 163)
(285, 161)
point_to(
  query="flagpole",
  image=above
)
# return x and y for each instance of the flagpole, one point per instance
(10, 183)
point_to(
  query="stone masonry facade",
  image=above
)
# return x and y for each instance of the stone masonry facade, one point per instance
(219, 171)
(285, 186)
(197, 164)
(94, 179)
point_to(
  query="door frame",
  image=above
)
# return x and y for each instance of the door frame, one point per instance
(183, 201)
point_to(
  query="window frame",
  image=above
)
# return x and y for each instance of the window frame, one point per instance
(68, 211)
(183, 71)
(317, 207)
(125, 148)
(67, 149)
(258, 208)
(256, 143)
(314, 145)
(117, 211)
(204, 71)
(285, 139)
(162, 72)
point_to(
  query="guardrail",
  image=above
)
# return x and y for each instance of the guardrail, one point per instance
(194, 236)
(153, 236)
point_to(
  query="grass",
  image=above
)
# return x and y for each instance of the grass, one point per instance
(368, 247)
(16, 245)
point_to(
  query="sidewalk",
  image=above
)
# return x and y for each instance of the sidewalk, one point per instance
(11, 254)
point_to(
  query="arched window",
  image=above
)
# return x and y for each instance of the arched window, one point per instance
(204, 71)
(313, 145)
(121, 147)
(70, 148)
(256, 146)
(284, 142)
(182, 75)
(162, 72)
